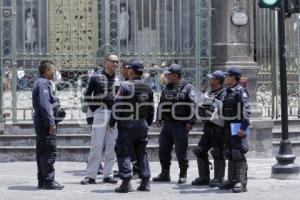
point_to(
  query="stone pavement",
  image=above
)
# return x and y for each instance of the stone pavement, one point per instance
(18, 182)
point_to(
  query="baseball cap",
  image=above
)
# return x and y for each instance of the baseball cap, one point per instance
(233, 71)
(218, 74)
(174, 69)
(136, 65)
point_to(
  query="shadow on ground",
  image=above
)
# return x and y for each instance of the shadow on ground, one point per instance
(22, 188)
(191, 189)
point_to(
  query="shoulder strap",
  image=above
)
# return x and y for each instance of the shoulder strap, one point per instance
(182, 85)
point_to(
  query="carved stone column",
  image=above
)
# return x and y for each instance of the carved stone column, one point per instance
(233, 38)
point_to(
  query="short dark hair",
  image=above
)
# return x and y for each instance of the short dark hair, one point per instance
(237, 78)
(124, 63)
(138, 72)
(108, 55)
(44, 66)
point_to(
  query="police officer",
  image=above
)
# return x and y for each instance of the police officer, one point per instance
(43, 101)
(135, 168)
(100, 94)
(119, 80)
(177, 114)
(236, 109)
(213, 136)
(133, 111)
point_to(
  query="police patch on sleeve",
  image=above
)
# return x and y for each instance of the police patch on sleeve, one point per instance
(192, 94)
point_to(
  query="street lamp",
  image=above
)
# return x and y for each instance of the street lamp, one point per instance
(269, 3)
(285, 168)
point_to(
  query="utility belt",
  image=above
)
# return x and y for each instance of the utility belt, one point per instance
(132, 124)
(172, 120)
(102, 104)
(229, 112)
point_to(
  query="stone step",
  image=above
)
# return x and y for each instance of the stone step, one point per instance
(70, 153)
(77, 139)
(67, 128)
(292, 122)
(27, 129)
(293, 135)
(18, 142)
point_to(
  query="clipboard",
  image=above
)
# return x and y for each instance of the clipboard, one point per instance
(234, 127)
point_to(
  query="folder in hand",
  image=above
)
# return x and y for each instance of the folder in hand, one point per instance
(235, 127)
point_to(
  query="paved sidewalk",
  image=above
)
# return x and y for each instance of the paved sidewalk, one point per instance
(18, 182)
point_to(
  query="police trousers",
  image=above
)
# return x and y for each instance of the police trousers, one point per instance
(132, 142)
(234, 143)
(46, 153)
(213, 137)
(173, 133)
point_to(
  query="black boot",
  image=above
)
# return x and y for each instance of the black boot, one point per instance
(144, 186)
(164, 176)
(241, 169)
(182, 176)
(204, 172)
(125, 187)
(52, 186)
(40, 184)
(227, 185)
(219, 172)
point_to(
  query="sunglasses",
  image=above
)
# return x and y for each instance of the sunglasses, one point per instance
(114, 61)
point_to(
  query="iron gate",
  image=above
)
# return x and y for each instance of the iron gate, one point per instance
(268, 93)
(76, 35)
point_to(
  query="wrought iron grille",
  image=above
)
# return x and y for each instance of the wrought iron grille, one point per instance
(268, 93)
(76, 35)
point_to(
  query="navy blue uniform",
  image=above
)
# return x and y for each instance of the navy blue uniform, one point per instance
(43, 100)
(213, 137)
(236, 109)
(133, 132)
(175, 118)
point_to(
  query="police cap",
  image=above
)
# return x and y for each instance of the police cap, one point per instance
(136, 65)
(174, 69)
(218, 74)
(234, 71)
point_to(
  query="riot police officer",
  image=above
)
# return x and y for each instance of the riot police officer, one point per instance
(213, 136)
(236, 110)
(133, 111)
(43, 100)
(177, 114)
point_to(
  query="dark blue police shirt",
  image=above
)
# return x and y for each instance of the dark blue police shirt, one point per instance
(43, 99)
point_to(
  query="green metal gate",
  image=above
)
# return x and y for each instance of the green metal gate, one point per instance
(76, 35)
